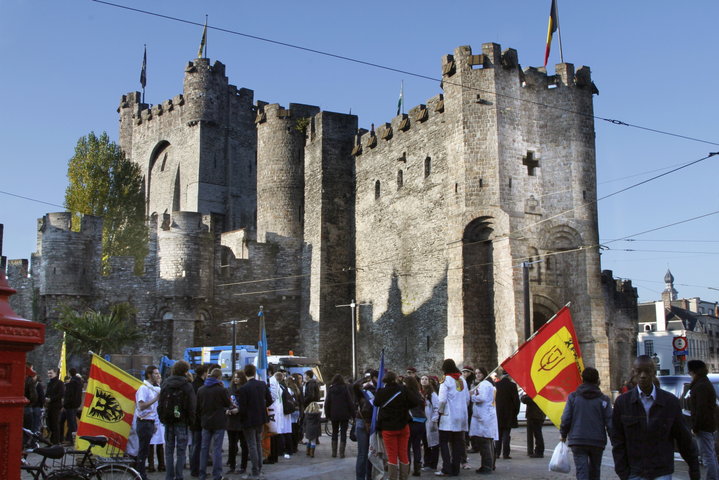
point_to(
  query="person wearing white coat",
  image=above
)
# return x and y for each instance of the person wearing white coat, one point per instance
(453, 421)
(484, 420)
(282, 421)
(431, 411)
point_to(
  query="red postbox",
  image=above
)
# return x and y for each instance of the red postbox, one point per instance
(17, 337)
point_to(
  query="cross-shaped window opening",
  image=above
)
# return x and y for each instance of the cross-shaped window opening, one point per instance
(531, 163)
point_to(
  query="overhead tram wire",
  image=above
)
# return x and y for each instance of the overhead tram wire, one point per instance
(403, 72)
(379, 262)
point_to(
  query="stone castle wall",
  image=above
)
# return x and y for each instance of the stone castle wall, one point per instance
(422, 220)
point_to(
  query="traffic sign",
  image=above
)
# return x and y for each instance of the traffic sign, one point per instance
(679, 343)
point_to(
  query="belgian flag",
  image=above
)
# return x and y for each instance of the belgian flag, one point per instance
(551, 28)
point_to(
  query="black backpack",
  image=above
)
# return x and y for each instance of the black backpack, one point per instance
(289, 404)
(173, 406)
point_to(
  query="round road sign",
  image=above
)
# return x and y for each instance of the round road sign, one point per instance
(679, 343)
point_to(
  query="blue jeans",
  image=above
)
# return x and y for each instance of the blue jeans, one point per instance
(215, 438)
(363, 470)
(253, 437)
(175, 438)
(706, 450)
(588, 461)
(144, 429)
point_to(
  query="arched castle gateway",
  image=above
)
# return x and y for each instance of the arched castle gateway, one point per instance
(424, 219)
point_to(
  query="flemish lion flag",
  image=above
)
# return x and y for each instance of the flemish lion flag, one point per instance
(108, 407)
(549, 365)
(551, 28)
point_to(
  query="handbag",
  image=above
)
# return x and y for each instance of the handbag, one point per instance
(353, 430)
(560, 459)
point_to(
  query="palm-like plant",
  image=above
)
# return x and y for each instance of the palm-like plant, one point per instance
(99, 332)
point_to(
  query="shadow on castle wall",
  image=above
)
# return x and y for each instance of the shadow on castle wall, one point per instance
(414, 337)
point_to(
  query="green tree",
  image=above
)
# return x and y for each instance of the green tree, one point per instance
(99, 332)
(104, 183)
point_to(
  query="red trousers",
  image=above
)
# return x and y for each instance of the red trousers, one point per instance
(395, 444)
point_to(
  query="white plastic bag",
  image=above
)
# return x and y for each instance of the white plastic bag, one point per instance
(560, 459)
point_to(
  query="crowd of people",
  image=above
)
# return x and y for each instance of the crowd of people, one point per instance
(59, 400)
(421, 420)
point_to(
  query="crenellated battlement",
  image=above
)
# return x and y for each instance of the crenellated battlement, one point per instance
(62, 222)
(272, 112)
(464, 61)
(401, 124)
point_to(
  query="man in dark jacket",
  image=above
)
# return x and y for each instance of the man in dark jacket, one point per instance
(71, 402)
(213, 400)
(535, 420)
(53, 405)
(702, 405)
(646, 423)
(586, 421)
(195, 427)
(177, 421)
(253, 399)
(507, 400)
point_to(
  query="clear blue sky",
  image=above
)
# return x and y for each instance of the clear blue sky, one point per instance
(67, 63)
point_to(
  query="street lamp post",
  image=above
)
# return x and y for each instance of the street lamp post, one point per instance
(353, 306)
(234, 340)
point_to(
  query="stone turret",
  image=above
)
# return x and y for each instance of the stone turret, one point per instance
(70, 261)
(280, 170)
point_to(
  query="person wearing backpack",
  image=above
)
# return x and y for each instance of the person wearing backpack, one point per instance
(176, 411)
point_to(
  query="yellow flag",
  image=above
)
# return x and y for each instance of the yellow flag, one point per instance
(108, 407)
(62, 364)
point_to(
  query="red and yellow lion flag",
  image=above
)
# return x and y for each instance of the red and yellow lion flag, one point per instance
(108, 407)
(549, 365)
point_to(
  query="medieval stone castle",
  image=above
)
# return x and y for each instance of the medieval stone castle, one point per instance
(423, 220)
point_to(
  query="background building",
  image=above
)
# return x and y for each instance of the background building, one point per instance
(693, 319)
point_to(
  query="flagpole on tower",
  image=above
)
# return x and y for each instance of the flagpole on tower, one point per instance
(143, 73)
(559, 32)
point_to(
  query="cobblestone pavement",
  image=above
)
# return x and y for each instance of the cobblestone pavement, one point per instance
(519, 467)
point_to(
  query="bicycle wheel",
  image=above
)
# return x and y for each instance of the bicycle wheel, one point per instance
(117, 471)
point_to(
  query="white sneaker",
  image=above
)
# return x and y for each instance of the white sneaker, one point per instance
(287, 456)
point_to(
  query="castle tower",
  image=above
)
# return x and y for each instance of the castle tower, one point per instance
(328, 248)
(453, 196)
(196, 150)
(185, 253)
(69, 261)
(280, 170)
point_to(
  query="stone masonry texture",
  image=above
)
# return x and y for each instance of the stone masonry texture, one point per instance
(423, 221)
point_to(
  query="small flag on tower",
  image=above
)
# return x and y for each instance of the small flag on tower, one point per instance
(203, 41)
(551, 28)
(143, 72)
(400, 101)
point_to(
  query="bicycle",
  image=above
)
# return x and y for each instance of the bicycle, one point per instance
(87, 467)
(114, 467)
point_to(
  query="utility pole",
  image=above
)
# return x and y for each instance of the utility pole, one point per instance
(234, 340)
(526, 292)
(353, 306)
